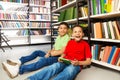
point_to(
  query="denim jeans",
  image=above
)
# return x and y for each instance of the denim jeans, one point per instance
(36, 65)
(61, 70)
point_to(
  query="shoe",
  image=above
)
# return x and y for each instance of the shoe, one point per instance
(13, 62)
(26, 79)
(11, 70)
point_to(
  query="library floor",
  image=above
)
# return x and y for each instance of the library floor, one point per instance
(92, 73)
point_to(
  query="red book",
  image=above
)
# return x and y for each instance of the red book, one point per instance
(64, 2)
(117, 52)
(107, 51)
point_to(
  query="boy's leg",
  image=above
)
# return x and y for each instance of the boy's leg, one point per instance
(69, 73)
(24, 59)
(37, 65)
(32, 56)
(48, 72)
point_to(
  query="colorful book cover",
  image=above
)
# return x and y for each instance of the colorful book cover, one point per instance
(111, 54)
(66, 61)
(117, 52)
(107, 51)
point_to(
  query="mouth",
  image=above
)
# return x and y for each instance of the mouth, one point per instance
(77, 36)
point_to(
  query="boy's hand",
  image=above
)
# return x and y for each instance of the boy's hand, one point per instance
(47, 55)
(75, 62)
(59, 59)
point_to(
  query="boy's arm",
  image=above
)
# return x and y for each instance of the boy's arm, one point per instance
(86, 62)
(57, 52)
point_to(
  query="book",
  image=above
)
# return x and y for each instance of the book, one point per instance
(97, 30)
(69, 13)
(66, 61)
(62, 16)
(111, 30)
(111, 54)
(107, 51)
(116, 29)
(118, 62)
(116, 54)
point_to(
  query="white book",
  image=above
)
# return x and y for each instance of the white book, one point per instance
(106, 30)
(111, 30)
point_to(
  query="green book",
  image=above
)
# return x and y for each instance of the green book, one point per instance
(75, 13)
(62, 16)
(69, 13)
(94, 7)
(66, 61)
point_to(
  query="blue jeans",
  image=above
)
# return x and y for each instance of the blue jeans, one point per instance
(63, 71)
(36, 65)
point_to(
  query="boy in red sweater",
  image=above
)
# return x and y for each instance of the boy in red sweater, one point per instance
(77, 52)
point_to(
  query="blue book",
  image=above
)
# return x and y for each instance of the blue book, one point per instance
(111, 54)
(96, 51)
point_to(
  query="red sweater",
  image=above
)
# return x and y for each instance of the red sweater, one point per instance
(77, 50)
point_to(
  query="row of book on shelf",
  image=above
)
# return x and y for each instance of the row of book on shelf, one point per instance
(17, 1)
(71, 13)
(33, 32)
(108, 30)
(104, 6)
(40, 17)
(37, 2)
(41, 9)
(24, 17)
(108, 54)
(7, 24)
(13, 16)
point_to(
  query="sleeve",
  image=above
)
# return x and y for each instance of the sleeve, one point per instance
(88, 51)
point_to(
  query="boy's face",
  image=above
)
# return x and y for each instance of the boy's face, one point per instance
(77, 33)
(62, 30)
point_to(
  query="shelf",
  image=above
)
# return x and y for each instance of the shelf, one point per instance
(38, 13)
(106, 65)
(71, 21)
(36, 28)
(105, 15)
(15, 20)
(39, 20)
(106, 40)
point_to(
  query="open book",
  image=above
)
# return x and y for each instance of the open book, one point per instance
(65, 60)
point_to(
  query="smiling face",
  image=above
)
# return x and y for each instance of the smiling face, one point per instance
(77, 33)
(62, 30)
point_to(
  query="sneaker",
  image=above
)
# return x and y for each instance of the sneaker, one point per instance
(11, 70)
(13, 62)
(26, 79)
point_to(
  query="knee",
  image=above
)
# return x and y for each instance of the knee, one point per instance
(73, 70)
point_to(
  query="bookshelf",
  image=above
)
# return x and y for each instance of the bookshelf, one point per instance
(108, 38)
(90, 19)
(25, 22)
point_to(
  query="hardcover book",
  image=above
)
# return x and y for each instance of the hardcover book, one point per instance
(66, 61)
